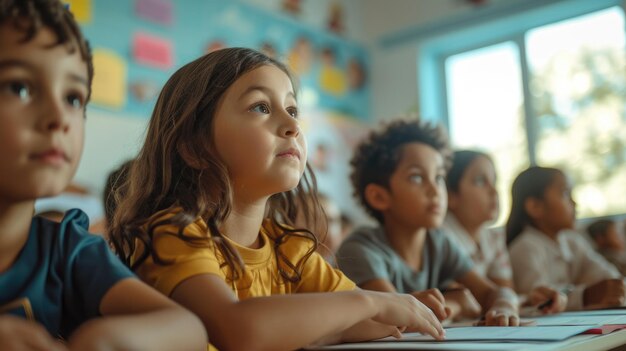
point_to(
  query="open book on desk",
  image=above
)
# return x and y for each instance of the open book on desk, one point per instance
(500, 334)
(471, 338)
(580, 319)
(603, 312)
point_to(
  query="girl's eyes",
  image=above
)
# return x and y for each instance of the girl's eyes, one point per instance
(293, 111)
(260, 108)
(264, 109)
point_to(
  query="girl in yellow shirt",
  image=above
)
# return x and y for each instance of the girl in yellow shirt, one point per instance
(208, 210)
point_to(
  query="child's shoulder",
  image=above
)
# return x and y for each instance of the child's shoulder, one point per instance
(73, 228)
(164, 223)
(65, 243)
(373, 237)
(530, 239)
(57, 248)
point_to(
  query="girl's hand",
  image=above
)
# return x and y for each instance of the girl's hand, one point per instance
(501, 315)
(19, 334)
(405, 311)
(547, 300)
(434, 300)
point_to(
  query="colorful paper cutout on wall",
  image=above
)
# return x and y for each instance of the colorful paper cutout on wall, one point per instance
(293, 7)
(144, 90)
(158, 11)
(81, 9)
(356, 74)
(322, 156)
(214, 46)
(152, 51)
(268, 49)
(300, 57)
(109, 82)
(332, 78)
(335, 18)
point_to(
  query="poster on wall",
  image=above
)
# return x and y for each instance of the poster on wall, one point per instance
(81, 9)
(108, 88)
(156, 11)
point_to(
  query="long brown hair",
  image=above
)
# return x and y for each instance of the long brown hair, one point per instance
(178, 167)
(530, 183)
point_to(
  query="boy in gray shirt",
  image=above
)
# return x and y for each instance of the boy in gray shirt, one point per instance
(398, 175)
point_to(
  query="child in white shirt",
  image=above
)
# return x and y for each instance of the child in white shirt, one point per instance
(544, 250)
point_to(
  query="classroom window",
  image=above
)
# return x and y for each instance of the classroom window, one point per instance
(578, 91)
(553, 95)
(485, 108)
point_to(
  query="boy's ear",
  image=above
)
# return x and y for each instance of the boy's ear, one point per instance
(534, 207)
(377, 196)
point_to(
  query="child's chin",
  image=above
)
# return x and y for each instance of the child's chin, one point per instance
(50, 191)
(434, 223)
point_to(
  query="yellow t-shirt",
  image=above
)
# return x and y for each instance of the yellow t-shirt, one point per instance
(261, 276)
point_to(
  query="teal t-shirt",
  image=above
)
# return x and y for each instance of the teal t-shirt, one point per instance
(61, 275)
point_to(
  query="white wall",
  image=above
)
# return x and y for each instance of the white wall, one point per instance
(394, 69)
(109, 141)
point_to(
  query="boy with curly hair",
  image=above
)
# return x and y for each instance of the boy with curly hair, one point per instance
(398, 175)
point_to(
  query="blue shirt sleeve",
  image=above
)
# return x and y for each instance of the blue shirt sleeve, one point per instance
(90, 270)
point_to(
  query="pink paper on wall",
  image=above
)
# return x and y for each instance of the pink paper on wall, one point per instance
(159, 11)
(152, 51)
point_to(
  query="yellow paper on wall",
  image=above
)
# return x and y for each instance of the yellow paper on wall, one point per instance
(333, 81)
(109, 81)
(81, 9)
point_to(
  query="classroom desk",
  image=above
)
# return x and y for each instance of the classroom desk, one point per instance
(583, 342)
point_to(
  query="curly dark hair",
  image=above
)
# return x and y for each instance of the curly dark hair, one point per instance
(376, 158)
(30, 16)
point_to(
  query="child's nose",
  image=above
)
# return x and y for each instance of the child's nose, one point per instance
(290, 128)
(53, 117)
(435, 190)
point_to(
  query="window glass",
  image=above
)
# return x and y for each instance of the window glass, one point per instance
(578, 93)
(485, 110)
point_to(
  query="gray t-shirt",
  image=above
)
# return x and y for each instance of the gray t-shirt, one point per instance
(366, 255)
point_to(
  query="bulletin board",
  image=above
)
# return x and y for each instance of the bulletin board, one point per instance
(138, 44)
